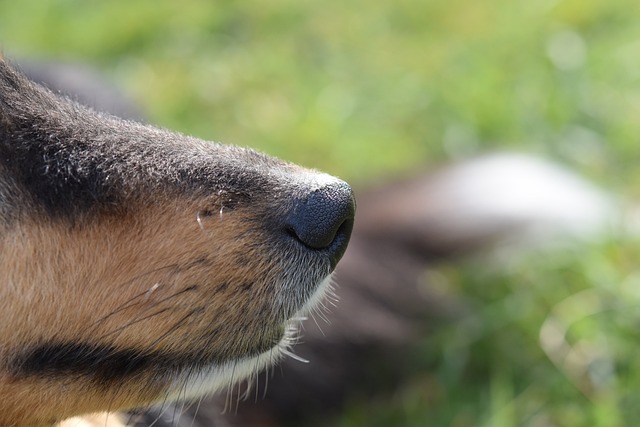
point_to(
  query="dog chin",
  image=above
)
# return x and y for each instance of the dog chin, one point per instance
(197, 382)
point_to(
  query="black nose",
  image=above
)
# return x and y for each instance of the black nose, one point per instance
(324, 218)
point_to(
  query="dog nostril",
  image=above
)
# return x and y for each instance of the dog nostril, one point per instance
(324, 217)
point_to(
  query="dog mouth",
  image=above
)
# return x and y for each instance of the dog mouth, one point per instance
(194, 321)
(197, 381)
(279, 338)
(300, 293)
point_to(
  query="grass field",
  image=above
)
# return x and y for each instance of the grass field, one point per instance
(368, 90)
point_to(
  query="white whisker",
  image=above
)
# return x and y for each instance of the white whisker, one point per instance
(199, 221)
(293, 355)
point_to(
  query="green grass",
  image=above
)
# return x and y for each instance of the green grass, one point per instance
(362, 88)
(368, 90)
(550, 339)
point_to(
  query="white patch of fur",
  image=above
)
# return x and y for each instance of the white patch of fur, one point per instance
(195, 383)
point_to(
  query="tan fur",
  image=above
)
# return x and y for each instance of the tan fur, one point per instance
(159, 261)
(141, 266)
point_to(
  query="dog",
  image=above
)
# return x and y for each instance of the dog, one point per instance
(142, 266)
(503, 202)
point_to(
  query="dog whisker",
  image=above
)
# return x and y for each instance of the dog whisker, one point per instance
(142, 312)
(176, 326)
(115, 297)
(199, 220)
(294, 356)
(137, 320)
(151, 290)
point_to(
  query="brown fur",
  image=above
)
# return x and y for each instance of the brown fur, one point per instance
(130, 298)
(142, 289)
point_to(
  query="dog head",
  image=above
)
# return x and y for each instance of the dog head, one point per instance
(140, 265)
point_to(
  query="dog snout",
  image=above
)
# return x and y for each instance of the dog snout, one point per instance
(323, 220)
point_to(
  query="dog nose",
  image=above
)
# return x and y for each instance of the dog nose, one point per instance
(324, 218)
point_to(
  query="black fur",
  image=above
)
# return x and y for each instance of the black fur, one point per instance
(103, 364)
(71, 160)
(60, 161)
(107, 365)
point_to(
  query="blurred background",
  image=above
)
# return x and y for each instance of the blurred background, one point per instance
(375, 91)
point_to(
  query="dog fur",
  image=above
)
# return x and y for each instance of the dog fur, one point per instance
(141, 265)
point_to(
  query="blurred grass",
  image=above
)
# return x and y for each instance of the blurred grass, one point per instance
(366, 90)
(550, 339)
(361, 88)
